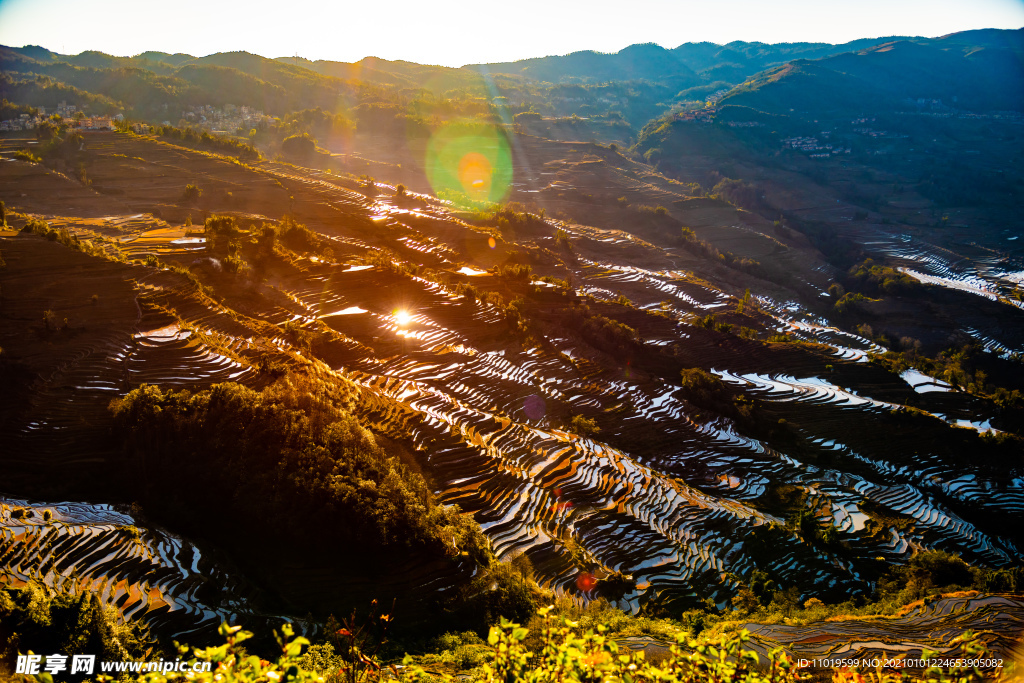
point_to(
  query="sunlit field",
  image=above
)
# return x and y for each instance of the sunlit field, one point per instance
(688, 364)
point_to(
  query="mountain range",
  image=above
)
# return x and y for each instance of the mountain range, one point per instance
(975, 70)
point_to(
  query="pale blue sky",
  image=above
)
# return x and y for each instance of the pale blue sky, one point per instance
(453, 33)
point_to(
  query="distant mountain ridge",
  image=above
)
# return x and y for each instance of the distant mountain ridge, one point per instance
(686, 63)
(646, 61)
(975, 70)
(146, 85)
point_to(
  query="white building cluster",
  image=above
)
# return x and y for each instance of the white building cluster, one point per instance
(816, 149)
(63, 110)
(227, 118)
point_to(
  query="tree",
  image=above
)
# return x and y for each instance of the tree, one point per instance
(299, 145)
(191, 194)
(584, 426)
(47, 130)
(73, 143)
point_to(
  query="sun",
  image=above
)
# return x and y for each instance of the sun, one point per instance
(403, 318)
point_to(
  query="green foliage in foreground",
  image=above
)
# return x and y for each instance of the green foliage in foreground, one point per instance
(926, 577)
(66, 623)
(564, 653)
(566, 642)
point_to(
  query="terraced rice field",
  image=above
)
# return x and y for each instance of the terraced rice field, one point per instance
(977, 271)
(150, 575)
(672, 494)
(933, 626)
(997, 619)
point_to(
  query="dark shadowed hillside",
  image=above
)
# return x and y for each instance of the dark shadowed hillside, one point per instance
(637, 62)
(982, 75)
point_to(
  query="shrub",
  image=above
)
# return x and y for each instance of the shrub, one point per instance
(469, 293)
(62, 236)
(302, 145)
(25, 155)
(659, 211)
(563, 239)
(738, 193)
(515, 271)
(511, 217)
(878, 279)
(525, 116)
(584, 426)
(848, 302)
(567, 654)
(610, 336)
(51, 320)
(299, 238)
(191, 194)
(220, 225)
(929, 569)
(700, 381)
(700, 247)
(36, 226)
(190, 138)
(502, 591)
(553, 649)
(233, 263)
(36, 618)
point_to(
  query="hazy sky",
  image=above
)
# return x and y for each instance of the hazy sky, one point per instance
(456, 32)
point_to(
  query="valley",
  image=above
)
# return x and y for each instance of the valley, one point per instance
(650, 366)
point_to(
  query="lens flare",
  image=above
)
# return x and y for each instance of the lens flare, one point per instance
(403, 318)
(491, 243)
(534, 407)
(469, 162)
(586, 581)
(475, 175)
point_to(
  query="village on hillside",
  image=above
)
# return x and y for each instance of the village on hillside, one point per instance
(228, 118)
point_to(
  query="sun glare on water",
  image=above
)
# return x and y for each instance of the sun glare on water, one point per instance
(403, 318)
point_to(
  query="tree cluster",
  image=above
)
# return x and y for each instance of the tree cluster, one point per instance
(289, 463)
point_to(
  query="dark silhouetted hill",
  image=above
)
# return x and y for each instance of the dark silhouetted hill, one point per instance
(978, 71)
(636, 62)
(739, 59)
